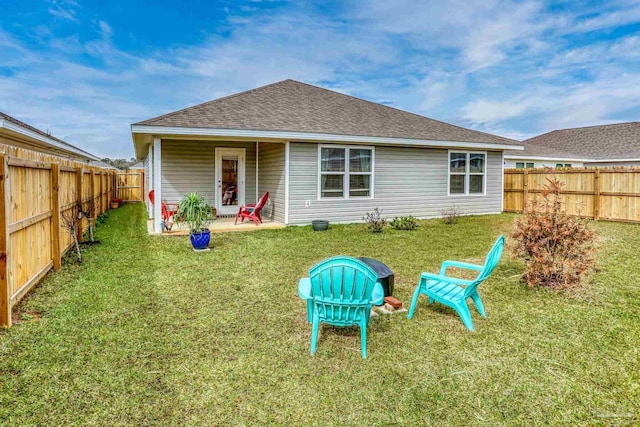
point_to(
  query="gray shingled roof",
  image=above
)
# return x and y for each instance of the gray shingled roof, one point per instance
(293, 106)
(619, 141)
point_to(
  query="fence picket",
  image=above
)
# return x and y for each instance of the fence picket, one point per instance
(611, 194)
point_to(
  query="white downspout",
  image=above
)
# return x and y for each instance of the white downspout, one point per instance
(257, 170)
(286, 183)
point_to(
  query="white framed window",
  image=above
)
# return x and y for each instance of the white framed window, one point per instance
(467, 173)
(345, 172)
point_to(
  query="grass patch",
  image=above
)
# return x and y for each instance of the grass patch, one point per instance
(145, 331)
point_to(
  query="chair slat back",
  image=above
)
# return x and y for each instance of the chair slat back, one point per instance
(261, 202)
(341, 289)
(490, 263)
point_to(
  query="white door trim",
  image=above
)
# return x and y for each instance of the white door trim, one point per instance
(242, 155)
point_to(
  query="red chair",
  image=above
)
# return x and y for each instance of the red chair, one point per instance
(252, 211)
(168, 209)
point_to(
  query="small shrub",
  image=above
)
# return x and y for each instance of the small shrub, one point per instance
(451, 215)
(374, 220)
(558, 249)
(404, 223)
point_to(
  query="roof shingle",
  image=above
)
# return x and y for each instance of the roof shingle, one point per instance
(293, 106)
(606, 142)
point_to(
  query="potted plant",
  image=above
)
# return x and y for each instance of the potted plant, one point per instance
(195, 212)
(115, 203)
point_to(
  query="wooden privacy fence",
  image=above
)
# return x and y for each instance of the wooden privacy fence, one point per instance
(129, 186)
(33, 197)
(598, 193)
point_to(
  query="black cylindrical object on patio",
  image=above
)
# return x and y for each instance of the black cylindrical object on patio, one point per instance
(385, 275)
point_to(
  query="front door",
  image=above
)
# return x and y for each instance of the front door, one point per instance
(229, 180)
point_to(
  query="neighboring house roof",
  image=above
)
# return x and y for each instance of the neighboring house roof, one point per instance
(595, 143)
(39, 140)
(138, 165)
(293, 106)
(103, 165)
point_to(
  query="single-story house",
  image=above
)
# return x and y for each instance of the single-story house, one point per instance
(594, 146)
(137, 166)
(14, 133)
(321, 155)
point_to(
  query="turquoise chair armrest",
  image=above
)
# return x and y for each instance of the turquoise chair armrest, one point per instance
(458, 264)
(377, 296)
(447, 279)
(304, 288)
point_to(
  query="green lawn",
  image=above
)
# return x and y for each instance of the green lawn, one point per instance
(147, 332)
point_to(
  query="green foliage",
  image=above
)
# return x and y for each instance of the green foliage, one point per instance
(102, 218)
(120, 163)
(559, 250)
(374, 220)
(194, 211)
(404, 223)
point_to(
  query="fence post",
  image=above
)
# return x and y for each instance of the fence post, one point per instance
(525, 189)
(5, 291)
(93, 207)
(55, 216)
(100, 191)
(79, 177)
(596, 196)
(114, 188)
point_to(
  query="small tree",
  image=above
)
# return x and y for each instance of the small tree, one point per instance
(558, 249)
(69, 220)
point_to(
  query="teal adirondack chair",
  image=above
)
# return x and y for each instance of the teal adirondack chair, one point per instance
(455, 292)
(340, 291)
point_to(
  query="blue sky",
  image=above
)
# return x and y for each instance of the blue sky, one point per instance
(86, 70)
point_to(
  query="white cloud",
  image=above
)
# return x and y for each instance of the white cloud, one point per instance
(105, 30)
(506, 67)
(64, 9)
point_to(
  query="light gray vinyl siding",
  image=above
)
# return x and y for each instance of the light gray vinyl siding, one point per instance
(189, 166)
(271, 178)
(407, 181)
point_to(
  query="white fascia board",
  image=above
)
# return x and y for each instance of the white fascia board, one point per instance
(548, 159)
(612, 160)
(315, 137)
(13, 127)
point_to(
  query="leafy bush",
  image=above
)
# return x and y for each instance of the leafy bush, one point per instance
(374, 220)
(404, 223)
(194, 210)
(558, 249)
(450, 215)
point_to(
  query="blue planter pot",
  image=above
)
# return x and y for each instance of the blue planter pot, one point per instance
(201, 240)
